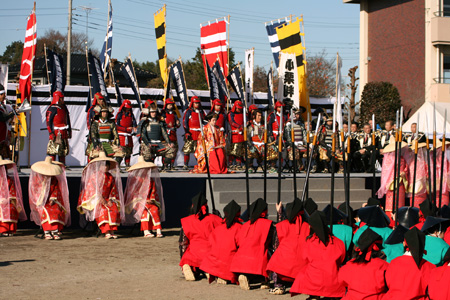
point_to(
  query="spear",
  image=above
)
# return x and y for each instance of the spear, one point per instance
(434, 154)
(395, 162)
(294, 152)
(280, 149)
(442, 159)
(246, 159)
(207, 162)
(346, 168)
(430, 191)
(308, 170)
(265, 155)
(399, 162)
(307, 150)
(349, 162)
(416, 149)
(374, 157)
(333, 152)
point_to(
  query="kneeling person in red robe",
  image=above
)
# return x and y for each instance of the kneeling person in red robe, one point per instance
(224, 245)
(254, 239)
(439, 284)
(194, 236)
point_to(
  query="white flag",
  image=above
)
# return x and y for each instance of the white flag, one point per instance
(337, 103)
(249, 57)
(288, 79)
(4, 75)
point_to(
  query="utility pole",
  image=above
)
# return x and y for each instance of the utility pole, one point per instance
(69, 44)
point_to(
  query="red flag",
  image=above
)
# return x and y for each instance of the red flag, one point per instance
(28, 56)
(213, 41)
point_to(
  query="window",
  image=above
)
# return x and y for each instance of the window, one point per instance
(446, 9)
(446, 68)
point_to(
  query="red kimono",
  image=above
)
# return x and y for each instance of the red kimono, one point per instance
(109, 216)
(224, 245)
(252, 255)
(320, 276)
(53, 213)
(287, 260)
(150, 219)
(439, 284)
(9, 224)
(364, 280)
(405, 280)
(198, 231)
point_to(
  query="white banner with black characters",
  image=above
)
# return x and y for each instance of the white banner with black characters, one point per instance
(288, 79)
(249, 58)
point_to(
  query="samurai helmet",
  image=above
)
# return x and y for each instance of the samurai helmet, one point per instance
(56, 96)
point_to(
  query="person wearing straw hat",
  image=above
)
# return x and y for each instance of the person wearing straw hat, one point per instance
(59, 128)
(126, 126)
(5, 117)
(144, 200)
(101, 198)
(49, 198)
(407, 276)
(387, 176)
(11, 203)
(172, 124)
(420, 193)
(104, 137)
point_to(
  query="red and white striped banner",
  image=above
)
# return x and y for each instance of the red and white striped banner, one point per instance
(213, 41)
(28, 56)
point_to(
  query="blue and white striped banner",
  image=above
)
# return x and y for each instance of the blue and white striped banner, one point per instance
(273, 38)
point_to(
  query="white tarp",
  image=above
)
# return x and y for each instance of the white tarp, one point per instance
(75, 98)
(425, 123)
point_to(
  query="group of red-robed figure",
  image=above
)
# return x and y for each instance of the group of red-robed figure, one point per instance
(307, 255)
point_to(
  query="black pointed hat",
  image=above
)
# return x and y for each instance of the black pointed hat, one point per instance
(231, 211)
(415, 239)
(431, 223)
(343, 207)
(408, 216)
(293, 209)
(428, 208)
(338, 215)
(373, 201)
(397, 236)
(367, 238)
(256, 209)
(445, 211)
(198, 201)
(310, 206)
(373, 216)
(317, 222)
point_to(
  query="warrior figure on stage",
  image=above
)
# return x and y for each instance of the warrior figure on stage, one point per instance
(172, 124)
(11, 203)
(255, 131)
(191, 124)
(236, 148)
(101, 197)
(59, 128)
(276, 119)
(155, 141)
(299, 139)
(49, 198)
(126, 125)
(104, 137)
(144, 200)
(5, 116)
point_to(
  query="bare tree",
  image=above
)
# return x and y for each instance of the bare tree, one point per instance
(353, 86)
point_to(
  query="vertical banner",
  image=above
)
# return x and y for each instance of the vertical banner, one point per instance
(213, 43)
(4, 75)
(128, 72)
(214, 90)
(160, 32)
(177, 75)
(273, 38)
(249, 58)
(220, 78)
(105, 54)
(28, 56)
(288, 78)
(270, 96)
(235, 80)
(56, 73)
(289, 37)
(337, 103)
(97, 79)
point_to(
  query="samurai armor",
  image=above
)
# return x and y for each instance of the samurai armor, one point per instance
(236, 149)
(189, 146)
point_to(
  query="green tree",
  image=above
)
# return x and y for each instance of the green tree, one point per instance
(13, 53)
(379, 98)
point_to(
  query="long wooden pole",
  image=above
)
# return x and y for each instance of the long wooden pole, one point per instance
(135, 77)
(434, 155)
(430, 190)
(442, 161)
(416, 149)
(265, 156)
(247, 185)
(105, 74)
(294, 153)
(400, 135)
(280, 149)
(207, 163)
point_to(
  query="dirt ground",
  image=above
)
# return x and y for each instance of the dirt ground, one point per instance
(80, 267)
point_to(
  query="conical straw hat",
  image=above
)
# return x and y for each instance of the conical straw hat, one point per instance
(47, 167)
(5, 161)
(141, 164)
(102, 157)
(391, 146)
(439, 144)
(419, 145)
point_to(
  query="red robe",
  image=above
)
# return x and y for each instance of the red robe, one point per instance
(198, 231)
(364, 280)
(320, 276)
(109, 217)
(252, 255)
(439, 284)
(9, 225)
(150, 219)
(53, 213)
(405, 280)
(287, 260)
(224, 245)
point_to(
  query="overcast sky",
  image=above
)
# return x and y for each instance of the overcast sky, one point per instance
(329, 25)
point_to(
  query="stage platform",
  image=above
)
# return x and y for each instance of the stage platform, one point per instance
(180, 186)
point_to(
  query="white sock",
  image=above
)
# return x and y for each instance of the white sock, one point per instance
(146, 232)
(158, 231)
